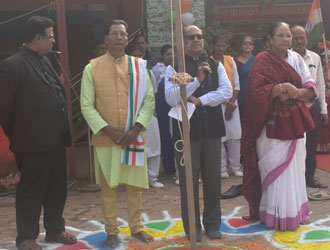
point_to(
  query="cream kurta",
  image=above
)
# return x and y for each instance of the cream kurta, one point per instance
(108, 157)
(152, 133)
(233, 126)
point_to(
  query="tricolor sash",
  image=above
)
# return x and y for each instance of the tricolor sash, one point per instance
(134, 154)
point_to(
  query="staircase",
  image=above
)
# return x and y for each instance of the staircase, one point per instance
(80, 127)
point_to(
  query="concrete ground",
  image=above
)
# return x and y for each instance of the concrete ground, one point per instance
(162, 211)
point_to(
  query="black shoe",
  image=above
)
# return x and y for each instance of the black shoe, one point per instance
(232, 192)
(316, 184)
(213, 235)
(249, 218)
(198, 236)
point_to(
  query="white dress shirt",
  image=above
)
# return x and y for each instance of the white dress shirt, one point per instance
(314, 65)
(212, 98)
(159, 71)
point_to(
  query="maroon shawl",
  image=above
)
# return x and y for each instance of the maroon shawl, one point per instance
(285, 122)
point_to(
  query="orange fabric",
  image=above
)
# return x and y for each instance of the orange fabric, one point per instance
(228, 64)
(111, 82)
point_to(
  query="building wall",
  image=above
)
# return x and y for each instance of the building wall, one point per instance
(234, 19)
(228, 18)
(159, 24)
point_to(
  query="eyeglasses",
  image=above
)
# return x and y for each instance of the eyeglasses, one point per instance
(52, 37)
(121, 34)
(248, 43)
(281, 36)
(192, 37)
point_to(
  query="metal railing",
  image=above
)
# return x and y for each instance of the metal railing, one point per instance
(80, 127)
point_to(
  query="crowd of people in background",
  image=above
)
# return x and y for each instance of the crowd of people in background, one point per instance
(259, 117)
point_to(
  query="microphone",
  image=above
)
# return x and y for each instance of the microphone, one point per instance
(55, 53)
(207, 80)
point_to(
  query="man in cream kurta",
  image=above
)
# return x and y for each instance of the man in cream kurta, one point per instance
(105, 105)
(318, 111)
(232, 140)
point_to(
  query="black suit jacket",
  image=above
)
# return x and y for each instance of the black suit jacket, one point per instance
(28, 105)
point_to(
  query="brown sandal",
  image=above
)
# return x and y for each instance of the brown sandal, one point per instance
(29, 244)
(63, 237)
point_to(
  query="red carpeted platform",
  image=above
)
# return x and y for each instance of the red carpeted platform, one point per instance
(323, 162)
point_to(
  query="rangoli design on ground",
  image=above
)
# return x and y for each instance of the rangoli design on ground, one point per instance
(169, 234)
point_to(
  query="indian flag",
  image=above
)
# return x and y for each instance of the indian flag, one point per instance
(314, 25)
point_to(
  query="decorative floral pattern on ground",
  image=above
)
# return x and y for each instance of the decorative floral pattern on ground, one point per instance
(169, 234)
(315, 236)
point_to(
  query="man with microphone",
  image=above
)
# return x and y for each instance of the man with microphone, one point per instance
(33, 114)
(207, 91)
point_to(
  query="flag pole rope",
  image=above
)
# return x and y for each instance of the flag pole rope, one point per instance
(182, 79)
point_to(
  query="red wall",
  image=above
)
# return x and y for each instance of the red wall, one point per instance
(8, 172)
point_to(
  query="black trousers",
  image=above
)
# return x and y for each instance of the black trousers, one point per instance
(205, 157)
(42, 184)
(312, 139)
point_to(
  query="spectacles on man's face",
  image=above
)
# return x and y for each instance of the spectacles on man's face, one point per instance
(118, 33)
(50, 36)
(281, 36)
(192, 37)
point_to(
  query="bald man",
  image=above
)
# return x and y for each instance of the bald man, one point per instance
(207, 91)
(319, 109)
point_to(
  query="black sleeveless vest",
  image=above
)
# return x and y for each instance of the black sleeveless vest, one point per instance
(206, 121)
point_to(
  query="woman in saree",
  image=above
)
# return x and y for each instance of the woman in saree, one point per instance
(279, 91)
(244, 63)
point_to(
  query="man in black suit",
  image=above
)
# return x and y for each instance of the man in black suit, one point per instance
(33, 115)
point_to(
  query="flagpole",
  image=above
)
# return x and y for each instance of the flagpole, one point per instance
(186, 129)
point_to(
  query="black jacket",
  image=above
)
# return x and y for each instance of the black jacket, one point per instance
(29, 106)
(206, 122)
